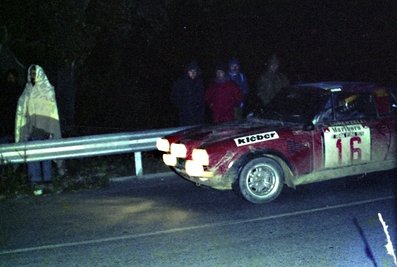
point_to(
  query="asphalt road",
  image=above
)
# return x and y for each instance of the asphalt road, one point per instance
(168, 221)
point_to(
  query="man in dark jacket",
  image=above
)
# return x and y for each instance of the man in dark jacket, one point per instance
(188, 96)
(9, 94)
(271, 81)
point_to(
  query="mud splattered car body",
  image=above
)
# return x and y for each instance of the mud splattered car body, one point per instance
(308, 133)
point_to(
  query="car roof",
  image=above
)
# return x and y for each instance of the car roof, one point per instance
(341, 86)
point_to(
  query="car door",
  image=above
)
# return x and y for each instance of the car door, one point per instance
(386, 126)
(346, 144)
(354, 136)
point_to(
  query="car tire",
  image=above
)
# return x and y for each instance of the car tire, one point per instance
(261, 180)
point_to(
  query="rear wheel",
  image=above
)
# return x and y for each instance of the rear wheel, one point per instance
(261, 180)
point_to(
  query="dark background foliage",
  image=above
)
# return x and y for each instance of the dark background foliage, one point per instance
(113, 62)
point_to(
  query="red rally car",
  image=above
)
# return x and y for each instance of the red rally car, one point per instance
(309, 132)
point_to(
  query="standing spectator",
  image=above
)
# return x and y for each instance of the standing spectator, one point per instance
(188, 96)
(237, 76)
(271, 81)
(9, 93)
(37, 119)
(222, 96)
(240, 79)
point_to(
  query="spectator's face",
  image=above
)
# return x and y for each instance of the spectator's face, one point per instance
(11, 78)
(274, 67)
(192, 74)
(234, 68)
(33, 74)
(220, 74)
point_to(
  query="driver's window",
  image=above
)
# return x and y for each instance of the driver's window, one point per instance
(350, 106)
(385, 101)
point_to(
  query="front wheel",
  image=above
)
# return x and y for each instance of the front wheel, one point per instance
(261, 180)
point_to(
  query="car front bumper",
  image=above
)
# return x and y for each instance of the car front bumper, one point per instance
(216, 181)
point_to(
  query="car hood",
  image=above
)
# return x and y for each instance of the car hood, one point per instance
(205, 135)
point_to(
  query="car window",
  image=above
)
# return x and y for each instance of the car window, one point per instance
(385, 101)
(342, 106)
(295, 104)
(350, 106)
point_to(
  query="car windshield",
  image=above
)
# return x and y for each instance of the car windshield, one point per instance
(295, 104)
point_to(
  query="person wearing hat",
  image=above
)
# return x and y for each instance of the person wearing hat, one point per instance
(271, 81)
(240, 79)
(222, 96)
(187, 96)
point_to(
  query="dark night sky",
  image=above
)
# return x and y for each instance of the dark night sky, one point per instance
(315, 40)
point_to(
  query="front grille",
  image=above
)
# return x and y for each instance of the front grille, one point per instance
(180, 163)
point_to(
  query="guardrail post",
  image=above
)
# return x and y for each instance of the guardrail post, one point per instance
(138, 163)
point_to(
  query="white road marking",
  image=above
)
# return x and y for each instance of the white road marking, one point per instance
(189, 228)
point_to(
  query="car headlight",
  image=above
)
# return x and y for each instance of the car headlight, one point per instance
(200, 156)
(169, 160)
(194, 169)
(178, 150)
(162, 144)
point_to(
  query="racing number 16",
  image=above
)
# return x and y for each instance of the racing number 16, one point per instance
(355, 152)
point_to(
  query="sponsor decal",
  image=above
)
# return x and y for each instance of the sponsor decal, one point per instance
(255, 138)
(346, 131)
(346, 144)
(346, 128)
(352, 122)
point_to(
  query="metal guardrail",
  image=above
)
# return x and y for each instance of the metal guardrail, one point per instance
(85, 146)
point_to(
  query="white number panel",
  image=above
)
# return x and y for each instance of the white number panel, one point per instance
(347, 144)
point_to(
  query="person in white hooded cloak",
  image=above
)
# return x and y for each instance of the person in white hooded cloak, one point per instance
(37, 119)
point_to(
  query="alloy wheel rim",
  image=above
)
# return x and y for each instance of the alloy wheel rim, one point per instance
(261, 179)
